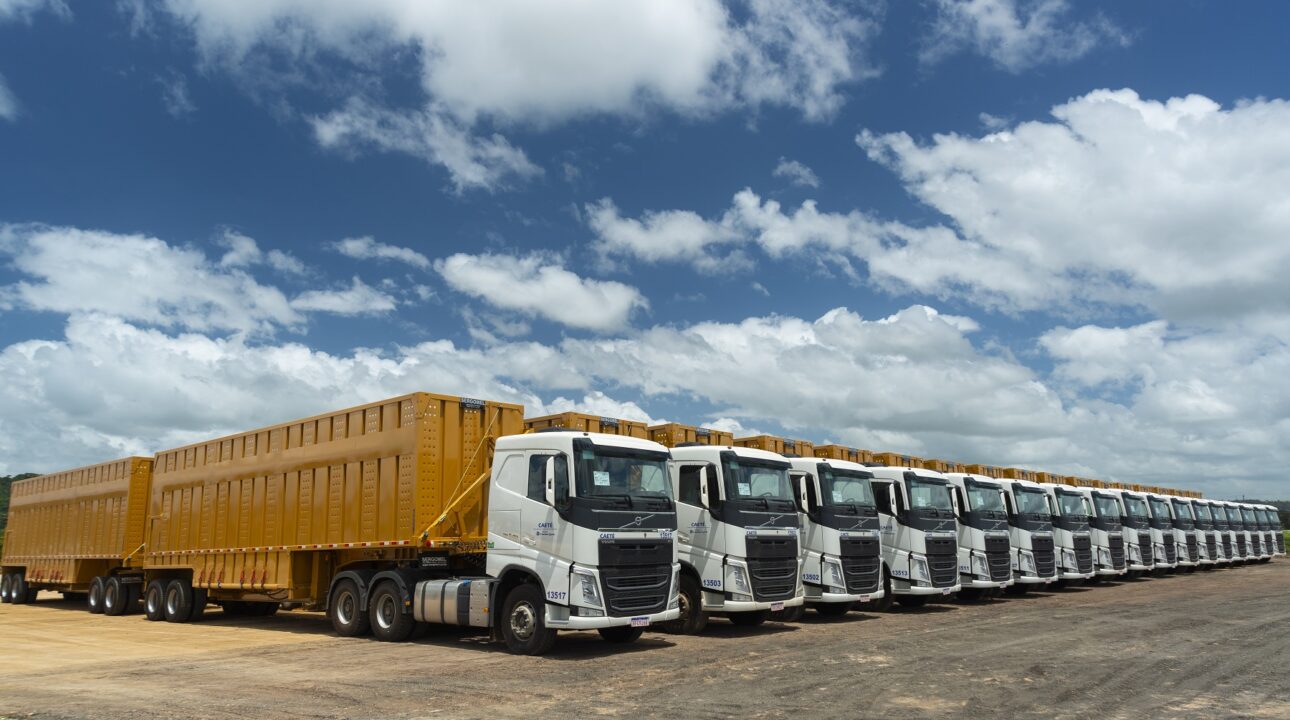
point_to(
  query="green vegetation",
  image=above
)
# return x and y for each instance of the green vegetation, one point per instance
(5, 482)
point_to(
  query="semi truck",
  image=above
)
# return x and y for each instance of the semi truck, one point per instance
(1276, 534)
(1161, 523)
(1258, 546)
(919, 531)
(389, 516)
(1072, 537)
(1223, 529)
(1236, 526)
(737, 534)
(1208, 544)
(1187, 538)
(1105, 528)
(1030, 524)
(985, 549)
(1137, 532)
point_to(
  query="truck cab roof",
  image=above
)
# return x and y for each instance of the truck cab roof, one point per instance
(958, 478)
(802, 463)
(712, 452)
(891, 474)
(560, 439)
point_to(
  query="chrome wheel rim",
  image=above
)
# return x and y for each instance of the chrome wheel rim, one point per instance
(385, 612)
(172, 601)
(109, 596)
(523, 620)
(345, 608)
(154, 601)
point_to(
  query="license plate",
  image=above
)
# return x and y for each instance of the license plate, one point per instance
(640, 622)
(776, 607)
(864, 598)
(946, 591)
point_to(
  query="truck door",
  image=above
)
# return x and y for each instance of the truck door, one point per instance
(700, 542)
(543, 536)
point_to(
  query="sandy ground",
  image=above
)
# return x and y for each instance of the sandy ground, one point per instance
(1204, 645)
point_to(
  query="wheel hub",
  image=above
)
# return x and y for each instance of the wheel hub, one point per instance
(523, 621)
(345, 609)
(385, 612)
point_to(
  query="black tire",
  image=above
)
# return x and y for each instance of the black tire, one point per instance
(345, 610)
(912, 601)
(5, 581)
(833, 609)
(199, 605)
(622, 634)
(19, 592)
(693, 619)
(154, 601)
(94, 598)
(116, 596)
(385, 614)
(523, 621)
(884, 603)
(752, 618)
(789, 615)
(178, 601)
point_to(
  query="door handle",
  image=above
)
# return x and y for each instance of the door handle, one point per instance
(528, 541)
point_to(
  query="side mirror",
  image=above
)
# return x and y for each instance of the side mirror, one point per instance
(550, 481)
(557, 484)
(801, 496)
(710, 488)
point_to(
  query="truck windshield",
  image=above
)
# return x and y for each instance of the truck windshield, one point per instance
(1071, 504)
(984, 497)
(1106, 507)
(753, 479)
(929, 494)
(1182, 510)
(1233, 517)
(1249, 517)
(1136, 507)
(1160, 509)
(1031, 502)
(1202, 512)
(618, 472)
(845, 487)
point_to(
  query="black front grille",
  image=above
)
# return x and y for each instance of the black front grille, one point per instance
(1227, 546)
(1045, 561)
(1256, 548)
(1144, 546)
(1171, 553)
(1193, 548)
(636, 590)
(1116, 544)
(943, 561)
(861, 564)
(1281, 543)
(1240, 545)
(1270, 543)
(998, 557)
(772, 562)
(1211, 546)
(1084, 553)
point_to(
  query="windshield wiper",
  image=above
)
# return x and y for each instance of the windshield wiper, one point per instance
(615, 496)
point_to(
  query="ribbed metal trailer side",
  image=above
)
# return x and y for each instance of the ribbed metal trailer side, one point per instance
(588, 423)
(783, 446)
(673, 434)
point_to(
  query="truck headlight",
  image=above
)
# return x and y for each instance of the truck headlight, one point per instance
(833, 576)
(918, 570)
(979, 566)
(1135, 553)
(737, 582)
(675, 602)
(1103, 557)
(1068, 559)
(590, 588)
(1027, 562)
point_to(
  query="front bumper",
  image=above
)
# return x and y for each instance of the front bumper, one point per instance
(825, 598)
(1032, 580)
(755, 605)
(558, 618)
(979, 584)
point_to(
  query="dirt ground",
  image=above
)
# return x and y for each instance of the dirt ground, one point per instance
(1204, 645)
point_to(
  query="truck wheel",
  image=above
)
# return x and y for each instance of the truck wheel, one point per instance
(19, 591)
(622, 634)
(179, 601)
(523, 621)
(199, 605)
(912, 601)
(345, 610)
(94, 598)
(693, 619)
(788, 615)
(154, 601)
(114, 596)
(833, 609)
(884, 604)
(385, 608)
(752, 618)
(5, 581)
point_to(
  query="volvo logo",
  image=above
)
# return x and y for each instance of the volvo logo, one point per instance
(637, 522)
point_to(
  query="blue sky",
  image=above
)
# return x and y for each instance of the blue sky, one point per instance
(1025, 232)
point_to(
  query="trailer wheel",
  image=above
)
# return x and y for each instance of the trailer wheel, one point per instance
(115, 596)
(345, 610)
(693, 619)
(832, 609)
(752, 618)
(179, 601)
(6, 581)
(154, 601)
(884, 603)
(385, 608)
(622, 634)
(19, 592)
(94, 598)
(523, 621)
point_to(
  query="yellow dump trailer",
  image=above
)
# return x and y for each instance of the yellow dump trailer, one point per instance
(1048, 478)
(1019, 474)
(272, 514)
(986, 470)
(939, 466)
(673, 434)
(589, 423)
(842, 452)
(783, 446)
(898, 460)
(67, 528)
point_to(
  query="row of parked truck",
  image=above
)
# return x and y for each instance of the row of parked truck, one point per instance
(427, 509)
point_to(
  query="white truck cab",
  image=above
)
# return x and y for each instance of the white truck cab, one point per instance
(1208, 544)
(841, 543)
(985, 548)
(1072, 539)
(1258, 539)
(1236, 527)
(737, 534)
(1030, 522)
(1163, 544)
(1278, 534)
(1137, 532)
(919, 535)
(1223, 529)
(1106, 528)
(1187, 538)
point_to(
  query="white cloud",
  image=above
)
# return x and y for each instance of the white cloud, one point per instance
(598, 403)
(515, 62)
(244, 252)
(358, 299)
(1015, 34)
(8, 103)
(174, 95)
(25, 10)
(366, 248)
(796, 173)
(535, 286)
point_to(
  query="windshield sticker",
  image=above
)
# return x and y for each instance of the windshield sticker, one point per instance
(745, 488)
(600, 478)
